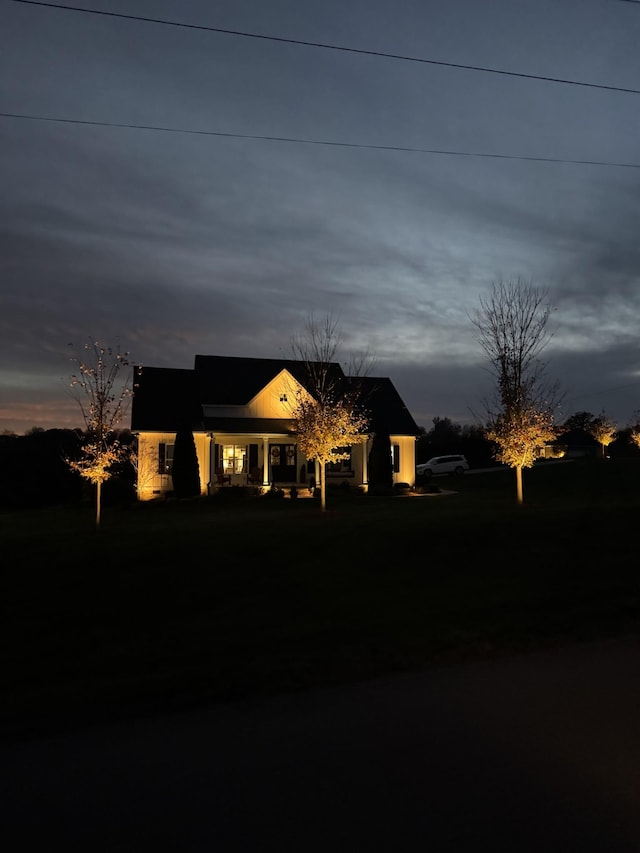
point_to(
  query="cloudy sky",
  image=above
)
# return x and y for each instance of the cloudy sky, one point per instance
(206, 188)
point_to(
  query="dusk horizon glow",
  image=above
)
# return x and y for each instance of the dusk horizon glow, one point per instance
(188, 179)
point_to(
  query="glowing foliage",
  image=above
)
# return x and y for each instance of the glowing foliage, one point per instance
(325, 430)
(519, 433)
(97, 461)
(326, 413)
(511, 328)
(603, 429)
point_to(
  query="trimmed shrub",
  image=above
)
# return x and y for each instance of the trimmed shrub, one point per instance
(185, 472)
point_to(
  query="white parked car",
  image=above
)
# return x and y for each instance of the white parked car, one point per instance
(453, 464)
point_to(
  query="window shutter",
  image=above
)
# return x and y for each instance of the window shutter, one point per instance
(253, 456)
(396, 458)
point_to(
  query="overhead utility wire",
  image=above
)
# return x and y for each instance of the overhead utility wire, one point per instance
(300, 141)
(324, 46)
(585, 395)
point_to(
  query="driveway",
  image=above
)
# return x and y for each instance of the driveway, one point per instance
(534, 753)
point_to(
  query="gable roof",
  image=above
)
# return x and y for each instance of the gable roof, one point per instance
(235, 381)
(386, 407)
(165, 399)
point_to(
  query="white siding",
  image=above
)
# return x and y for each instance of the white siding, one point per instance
(151, 484)
(277, 399)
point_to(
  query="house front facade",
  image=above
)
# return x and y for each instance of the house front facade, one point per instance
(240, 412)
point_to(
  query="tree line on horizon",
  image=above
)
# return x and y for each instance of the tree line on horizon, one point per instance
(35, 470)
(329, 416)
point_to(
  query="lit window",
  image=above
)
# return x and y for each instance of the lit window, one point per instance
(234, 458)
(395, 458)
(165, 458)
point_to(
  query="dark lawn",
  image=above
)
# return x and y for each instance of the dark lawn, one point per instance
(175, 603)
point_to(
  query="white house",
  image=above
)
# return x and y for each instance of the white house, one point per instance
(240, 413)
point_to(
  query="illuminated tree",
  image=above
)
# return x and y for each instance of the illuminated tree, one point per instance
(326, 431)
(603, 429)
(102, 388)
(518, 434)
(511, 327)
(328, 412)
(634, 433)
(143, 457)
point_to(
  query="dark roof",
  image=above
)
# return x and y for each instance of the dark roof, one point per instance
(166, 399)
(234, 381)
(386, 407)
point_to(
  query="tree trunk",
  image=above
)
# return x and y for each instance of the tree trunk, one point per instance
(98, 502)
(519, 482)
(322, 468)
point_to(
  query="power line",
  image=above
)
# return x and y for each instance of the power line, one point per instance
(325, 46)
(573, 398)
(326, 142)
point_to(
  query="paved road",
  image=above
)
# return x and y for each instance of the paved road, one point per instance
(539, 753)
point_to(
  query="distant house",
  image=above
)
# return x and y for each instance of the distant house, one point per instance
(240, 413)
(570, 445)
(579, 442)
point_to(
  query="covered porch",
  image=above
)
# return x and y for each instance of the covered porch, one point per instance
(275, 460)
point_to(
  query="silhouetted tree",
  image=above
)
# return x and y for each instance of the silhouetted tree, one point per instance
(474, 445)
(468, 439)
(443, 437)
(380, 466)
(579, 420)
(34, 468)
(185, 471)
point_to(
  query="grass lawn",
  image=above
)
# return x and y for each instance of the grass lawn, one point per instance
(170, 604)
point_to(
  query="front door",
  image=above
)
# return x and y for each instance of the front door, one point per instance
(282, 461)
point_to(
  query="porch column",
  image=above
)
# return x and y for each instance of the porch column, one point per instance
(365, 463)
(265, 461)
(211, 458)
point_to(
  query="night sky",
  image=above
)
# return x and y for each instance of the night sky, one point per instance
(199, 191)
